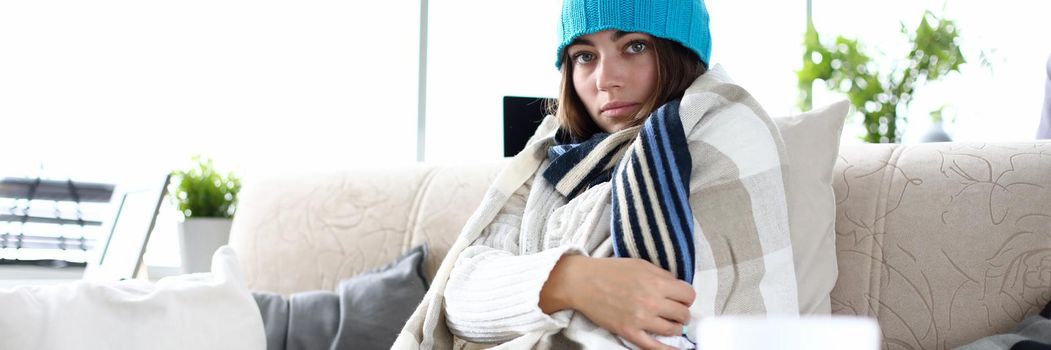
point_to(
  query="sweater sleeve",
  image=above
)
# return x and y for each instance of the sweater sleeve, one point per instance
(493, 292)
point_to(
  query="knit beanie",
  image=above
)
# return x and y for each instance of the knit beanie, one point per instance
(682, 21)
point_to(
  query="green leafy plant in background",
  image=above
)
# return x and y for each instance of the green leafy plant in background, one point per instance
(202, 191)
(880, 97)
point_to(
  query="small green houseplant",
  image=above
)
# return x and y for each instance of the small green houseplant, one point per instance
(207, 201)
(202, 192)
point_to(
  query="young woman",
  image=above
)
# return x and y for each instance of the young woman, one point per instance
(652, 198)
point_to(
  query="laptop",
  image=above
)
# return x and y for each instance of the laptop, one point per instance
(522, 116)
(118, 255)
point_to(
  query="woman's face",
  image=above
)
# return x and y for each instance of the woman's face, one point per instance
(614, 72)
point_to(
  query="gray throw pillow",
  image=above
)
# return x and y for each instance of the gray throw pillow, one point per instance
(365, 312)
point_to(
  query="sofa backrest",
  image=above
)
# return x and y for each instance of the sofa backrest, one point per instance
(941, 243)
(304, 232)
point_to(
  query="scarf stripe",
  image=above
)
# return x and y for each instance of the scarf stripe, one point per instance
(621, 243)
(669, 180)
(600, 174)
(655, 184)
(650, 241)
(634, 229)
(648, 167)
(566, 172)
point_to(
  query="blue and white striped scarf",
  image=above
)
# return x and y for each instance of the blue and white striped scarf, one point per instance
(649, 166)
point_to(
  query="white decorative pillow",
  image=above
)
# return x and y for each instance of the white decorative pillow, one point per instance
(812, 143)
(197, 311)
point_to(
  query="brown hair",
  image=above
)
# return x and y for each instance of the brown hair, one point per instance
(677, 68)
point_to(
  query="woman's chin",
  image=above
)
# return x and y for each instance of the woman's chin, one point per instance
(612, 128)
(613, 122)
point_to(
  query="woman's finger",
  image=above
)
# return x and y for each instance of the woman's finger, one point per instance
(674, 311)
(643, 340)
(663, 327)
(681, 292)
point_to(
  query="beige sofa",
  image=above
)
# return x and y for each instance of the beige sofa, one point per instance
(941, 243)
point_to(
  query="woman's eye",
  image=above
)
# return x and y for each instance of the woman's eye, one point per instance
(583, 57)
(636, 47)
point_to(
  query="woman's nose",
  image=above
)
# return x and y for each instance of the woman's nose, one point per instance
(610, 73)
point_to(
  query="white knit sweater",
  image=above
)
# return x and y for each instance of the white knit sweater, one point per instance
(494, 290)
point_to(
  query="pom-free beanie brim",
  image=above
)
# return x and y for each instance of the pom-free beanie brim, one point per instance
(683, 21)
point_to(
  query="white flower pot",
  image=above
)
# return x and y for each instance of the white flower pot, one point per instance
(198, 240)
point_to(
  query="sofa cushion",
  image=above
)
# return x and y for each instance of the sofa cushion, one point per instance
(194, 311)
(812, 143)
(365, 311)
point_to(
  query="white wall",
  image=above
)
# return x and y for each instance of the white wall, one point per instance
(478, 52)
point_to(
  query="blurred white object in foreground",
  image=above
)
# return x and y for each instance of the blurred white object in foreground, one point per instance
(788, 332)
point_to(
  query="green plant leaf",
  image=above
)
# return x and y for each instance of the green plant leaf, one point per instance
(845, 67)
(203, 192)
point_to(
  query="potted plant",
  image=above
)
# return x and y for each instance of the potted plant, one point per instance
(207, 201)
(882, 97)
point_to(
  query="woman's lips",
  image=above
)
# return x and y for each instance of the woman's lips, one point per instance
(620, 110)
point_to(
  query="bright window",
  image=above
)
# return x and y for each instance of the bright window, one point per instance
(105, 89)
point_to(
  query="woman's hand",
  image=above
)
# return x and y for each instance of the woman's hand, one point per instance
(628, 297)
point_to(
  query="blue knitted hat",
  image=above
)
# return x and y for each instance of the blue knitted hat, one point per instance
(683, 21)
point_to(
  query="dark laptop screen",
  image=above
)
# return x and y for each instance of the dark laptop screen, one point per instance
(522, 115)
